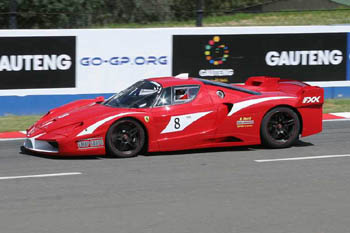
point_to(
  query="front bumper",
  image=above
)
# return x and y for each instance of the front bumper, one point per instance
(59, 146)
(33, 144)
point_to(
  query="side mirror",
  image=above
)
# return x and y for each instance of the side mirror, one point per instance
(99, 99)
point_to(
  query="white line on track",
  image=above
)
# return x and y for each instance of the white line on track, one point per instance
(301, 158)
(342, 114)
(345, 119)
(11, 139)
(40, 175)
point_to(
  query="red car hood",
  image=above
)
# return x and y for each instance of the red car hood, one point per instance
(82, 116)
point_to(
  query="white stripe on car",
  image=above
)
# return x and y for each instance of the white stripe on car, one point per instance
(181, 122)
(93, 127)
(244, 104)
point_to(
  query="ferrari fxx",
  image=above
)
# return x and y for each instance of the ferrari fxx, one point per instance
(174, 113)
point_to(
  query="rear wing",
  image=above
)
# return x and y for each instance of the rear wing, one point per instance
(306, 94)
(265, 83)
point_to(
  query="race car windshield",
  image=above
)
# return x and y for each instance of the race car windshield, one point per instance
(140, 95)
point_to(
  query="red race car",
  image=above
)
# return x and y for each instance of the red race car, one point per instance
(173, 113)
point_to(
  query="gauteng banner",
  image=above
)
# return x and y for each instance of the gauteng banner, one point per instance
(234, 58)
(37, 62)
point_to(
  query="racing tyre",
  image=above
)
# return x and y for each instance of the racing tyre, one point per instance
(280, 128)
(125, 138)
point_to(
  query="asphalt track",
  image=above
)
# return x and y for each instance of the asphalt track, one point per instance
(243, 190)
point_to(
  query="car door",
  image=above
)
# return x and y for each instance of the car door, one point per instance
(183, 117)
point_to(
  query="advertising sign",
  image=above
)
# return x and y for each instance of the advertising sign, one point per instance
(37, 62)
(234, 58)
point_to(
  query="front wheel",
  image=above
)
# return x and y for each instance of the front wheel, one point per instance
(280, 128)
(125, 138)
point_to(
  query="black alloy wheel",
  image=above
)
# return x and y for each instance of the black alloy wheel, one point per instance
(125, 138)
(280, 128)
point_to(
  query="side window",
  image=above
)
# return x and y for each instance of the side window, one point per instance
(193, 91)
(165, 97)
(185, 94)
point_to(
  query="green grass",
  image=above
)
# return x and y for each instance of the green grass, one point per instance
(12, 123)
(320, 17)
(341, 16)
(336, 105)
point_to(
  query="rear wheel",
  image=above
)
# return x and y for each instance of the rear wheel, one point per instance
(125, 138)
(280, 128)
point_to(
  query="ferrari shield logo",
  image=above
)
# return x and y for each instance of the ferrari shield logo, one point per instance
(147, 119)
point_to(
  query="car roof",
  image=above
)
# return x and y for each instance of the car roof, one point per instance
(173, 81)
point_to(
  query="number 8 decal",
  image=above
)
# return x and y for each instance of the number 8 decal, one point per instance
(180, 122)
(177, 123)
